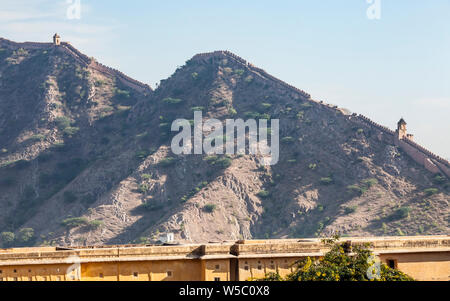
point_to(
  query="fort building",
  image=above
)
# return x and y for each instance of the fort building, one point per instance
(422, 257)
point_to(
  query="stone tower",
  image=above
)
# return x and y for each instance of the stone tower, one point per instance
(56, 40)
(401, 131)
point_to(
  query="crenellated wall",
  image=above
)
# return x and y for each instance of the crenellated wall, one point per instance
(419, 154)
(257, 71)
(430, 161)
(82, 59)
(124, 79)
(25, 45)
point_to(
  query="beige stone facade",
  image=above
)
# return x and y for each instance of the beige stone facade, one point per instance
(424, 258)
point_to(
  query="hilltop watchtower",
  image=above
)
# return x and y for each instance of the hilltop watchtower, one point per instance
(56, 40)
(401, 131)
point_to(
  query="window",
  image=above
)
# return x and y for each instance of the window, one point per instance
(216, 278)
(1, 272)
(392, 263)
(259, 267)
(135, 274)
(272, 266)
(169, 273)
(15, 279)
(101, 275)
(246, 268)
(217, 267)
(15, 271)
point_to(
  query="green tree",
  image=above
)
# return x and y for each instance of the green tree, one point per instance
(339, 265)
(26, 235)
(7, 239)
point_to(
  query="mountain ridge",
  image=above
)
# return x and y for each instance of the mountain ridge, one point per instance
(94, 164)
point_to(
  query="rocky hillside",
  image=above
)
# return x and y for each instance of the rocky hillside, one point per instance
(85, 159)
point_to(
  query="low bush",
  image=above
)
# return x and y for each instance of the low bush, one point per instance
(350, 209)
(74, 222)
(95, 224)
(431, 191)
(263, 194)
(287, 140)
(166, 162)
(326, 181)
(172, 101)
(400, 213)
(209, 208)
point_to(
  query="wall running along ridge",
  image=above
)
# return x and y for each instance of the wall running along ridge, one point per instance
(83, 59)
(419, 154)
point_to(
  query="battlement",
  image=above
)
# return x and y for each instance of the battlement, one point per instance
(25, 45)
(126, 80)
(257, 71)
(81, 58)
(432, 162)
(376, 125)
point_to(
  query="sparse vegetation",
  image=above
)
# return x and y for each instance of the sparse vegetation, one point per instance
(221, 162)
(431, 191)
(401, 213)
(95, 224)
(339, 265)
(166, 162)
(263, 194)
(287, 140)
(209, 208)
(7, 239)
(326, 181)
(350, 209)
(121, 94)
(172, 101)
(74, 222)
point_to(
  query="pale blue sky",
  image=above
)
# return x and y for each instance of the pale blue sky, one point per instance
(385, 69)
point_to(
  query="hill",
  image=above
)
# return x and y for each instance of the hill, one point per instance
(85, 158)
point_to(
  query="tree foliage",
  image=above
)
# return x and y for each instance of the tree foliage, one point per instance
(340, 265)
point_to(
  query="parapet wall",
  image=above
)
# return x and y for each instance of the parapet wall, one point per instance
(24, 45)
(430, 161)
(126, 80)
(81, 58)
(252, 68)
(419, 154)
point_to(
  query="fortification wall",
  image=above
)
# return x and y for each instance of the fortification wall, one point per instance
(421, 155)
(126, 80)
(417, 156)
(25, 45)
(376, 125)
(251, 67)
(418, 153)
(81, 58)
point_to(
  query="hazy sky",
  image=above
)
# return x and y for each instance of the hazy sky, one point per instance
(387, 68)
